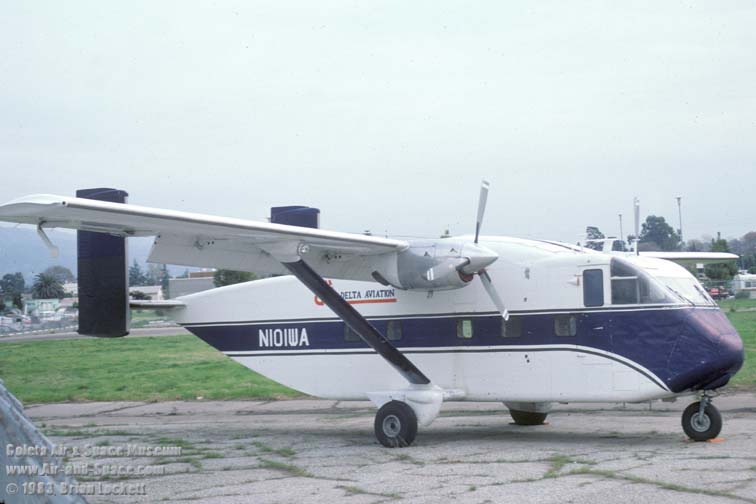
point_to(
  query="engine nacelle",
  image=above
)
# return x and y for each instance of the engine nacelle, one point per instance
(434, 265)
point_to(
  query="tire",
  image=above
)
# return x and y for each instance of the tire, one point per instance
(527, 417)
(395, 425)
(701, 429)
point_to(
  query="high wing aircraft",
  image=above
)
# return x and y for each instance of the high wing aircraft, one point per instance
(406, 323)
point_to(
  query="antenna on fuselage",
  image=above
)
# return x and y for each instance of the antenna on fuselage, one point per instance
(636, 209)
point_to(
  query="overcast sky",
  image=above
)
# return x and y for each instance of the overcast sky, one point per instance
(386, 115)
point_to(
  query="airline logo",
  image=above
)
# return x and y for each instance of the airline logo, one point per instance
(364, 296)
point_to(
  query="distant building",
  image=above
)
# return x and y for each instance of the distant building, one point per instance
(40, 306)
(745, 282)
(71, 289)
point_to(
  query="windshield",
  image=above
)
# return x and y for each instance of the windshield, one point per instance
(632, 285)
(689, 288)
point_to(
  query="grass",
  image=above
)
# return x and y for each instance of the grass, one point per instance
(142, 318)
(290, 469)
(745, 323)
(742, 315)
(738, 304)
(282, 452)
(135, 369)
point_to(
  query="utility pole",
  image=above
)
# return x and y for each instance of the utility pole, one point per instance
(622, 236)
(636, 211)
(679, 212)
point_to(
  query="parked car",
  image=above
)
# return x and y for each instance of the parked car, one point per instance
(718, 293)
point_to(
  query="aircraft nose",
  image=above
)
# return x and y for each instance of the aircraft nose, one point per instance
(731, 355)
(709, 356)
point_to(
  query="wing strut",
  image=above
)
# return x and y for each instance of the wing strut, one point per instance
(356, 321)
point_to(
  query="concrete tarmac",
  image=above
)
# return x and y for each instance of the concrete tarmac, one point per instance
(324, 452)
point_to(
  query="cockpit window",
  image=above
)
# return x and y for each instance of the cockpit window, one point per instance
(631, 285)
(689, 289)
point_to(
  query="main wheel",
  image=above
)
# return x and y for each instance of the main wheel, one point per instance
(395, 425)
(527, 417)
(701, 427)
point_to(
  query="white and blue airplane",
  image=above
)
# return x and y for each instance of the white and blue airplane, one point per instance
(407, 325)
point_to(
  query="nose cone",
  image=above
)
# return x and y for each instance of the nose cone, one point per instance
(479, 257)
(709, 355)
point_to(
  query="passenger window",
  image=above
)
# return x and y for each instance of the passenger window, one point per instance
(350, 335)
(511, 328)
(464, 329)
(565, 325)
(593, 287)
(394, 330)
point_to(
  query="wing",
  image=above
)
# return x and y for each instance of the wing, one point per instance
(193, 239)
(693, 258)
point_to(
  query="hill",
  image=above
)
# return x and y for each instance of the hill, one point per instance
(22, 250)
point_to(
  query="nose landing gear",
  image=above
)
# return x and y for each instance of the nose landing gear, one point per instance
(701, 420)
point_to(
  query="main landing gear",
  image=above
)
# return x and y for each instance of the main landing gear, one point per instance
(400, 413)
(527, 417)
(528, 413)
(395, 425)
(701, 420)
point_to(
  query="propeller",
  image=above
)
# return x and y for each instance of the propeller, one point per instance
(636, 211)
(482, 273)
(481, 207)
(491, 290)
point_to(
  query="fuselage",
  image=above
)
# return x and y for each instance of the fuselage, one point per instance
(583, 326)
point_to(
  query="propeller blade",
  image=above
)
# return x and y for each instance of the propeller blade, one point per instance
(491, 290)
(481, 207)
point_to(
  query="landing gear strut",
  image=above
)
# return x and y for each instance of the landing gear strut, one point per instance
(395, 425)
(701, 420)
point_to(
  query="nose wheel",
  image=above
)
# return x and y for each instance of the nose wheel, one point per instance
(701, 420)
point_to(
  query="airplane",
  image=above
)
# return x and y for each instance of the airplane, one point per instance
(406, 323)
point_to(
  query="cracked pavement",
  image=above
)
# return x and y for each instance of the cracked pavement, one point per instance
(324, 451)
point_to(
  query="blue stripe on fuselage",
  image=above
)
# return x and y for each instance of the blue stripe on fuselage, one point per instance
(668, 342)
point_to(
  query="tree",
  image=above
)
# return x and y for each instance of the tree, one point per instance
(593, 233)
(695, 246)
(752, 270)
(18, 301)
(12, 284)
(2, 305)
(61, 273)
(136, 276)
(745, 247)
(164, 279)
(138, 295)
(656, 233)
(229, 277)
(720, 271)
(47, 287)
(748, 242)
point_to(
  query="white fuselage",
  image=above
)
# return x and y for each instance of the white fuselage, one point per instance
(279, 329)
